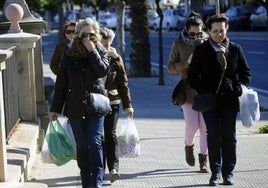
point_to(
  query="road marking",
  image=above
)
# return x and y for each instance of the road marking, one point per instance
(259, 90)
(256, 52)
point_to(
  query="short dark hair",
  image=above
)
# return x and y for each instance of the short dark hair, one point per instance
(194, 19)
(216, 18)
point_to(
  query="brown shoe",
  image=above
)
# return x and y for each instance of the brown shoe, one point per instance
(203, 163)
(189, 154)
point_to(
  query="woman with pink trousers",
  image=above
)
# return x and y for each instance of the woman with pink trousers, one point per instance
(178, 63)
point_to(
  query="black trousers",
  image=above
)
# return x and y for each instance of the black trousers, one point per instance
(221, 139)
(110, 139)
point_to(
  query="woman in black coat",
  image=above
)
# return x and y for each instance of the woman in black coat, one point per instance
(209, 61)
(83, 67)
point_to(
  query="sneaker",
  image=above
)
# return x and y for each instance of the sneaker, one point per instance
(228, 180)
(114, 175)
(214, 180)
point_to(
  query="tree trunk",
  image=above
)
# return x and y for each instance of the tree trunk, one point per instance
(62, 12)
(160, 43)
(197, 6)
(140, 56)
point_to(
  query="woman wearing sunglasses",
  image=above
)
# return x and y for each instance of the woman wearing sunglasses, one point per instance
(82, 71)
(179, 59)
(68, 32)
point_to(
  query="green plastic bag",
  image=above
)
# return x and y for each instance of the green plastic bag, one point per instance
(59, 144)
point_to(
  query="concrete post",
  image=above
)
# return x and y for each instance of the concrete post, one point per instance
(25, 44)
(3, 160)
(30, 24)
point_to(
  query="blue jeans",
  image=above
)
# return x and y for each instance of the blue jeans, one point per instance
(221, 139)
(88, 134)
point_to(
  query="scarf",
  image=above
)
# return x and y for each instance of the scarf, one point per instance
(220, 49)
(190, 41)
(77, 50)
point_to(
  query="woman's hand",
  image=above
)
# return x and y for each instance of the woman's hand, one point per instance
(130, 114)
(112, 52)
(88, 44)
(53, 116)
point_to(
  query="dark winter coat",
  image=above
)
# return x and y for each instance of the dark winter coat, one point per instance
(76, 76)
(205, 72)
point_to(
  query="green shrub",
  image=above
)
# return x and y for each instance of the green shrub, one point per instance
(263, 128)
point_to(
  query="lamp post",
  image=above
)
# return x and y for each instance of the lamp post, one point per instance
(218, 7)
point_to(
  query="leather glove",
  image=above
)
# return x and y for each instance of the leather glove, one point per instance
(238, 89)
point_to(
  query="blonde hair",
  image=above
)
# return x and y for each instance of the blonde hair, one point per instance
(87, 22)
(107, 34)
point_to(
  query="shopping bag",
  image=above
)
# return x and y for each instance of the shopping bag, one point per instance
(128, 140)
(59, 145)
(45, 155)
(69, 131)
(249, 107)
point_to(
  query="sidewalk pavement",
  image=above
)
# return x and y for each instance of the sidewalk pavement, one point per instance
(162, 160)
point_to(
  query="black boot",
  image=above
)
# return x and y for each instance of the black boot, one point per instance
(203, 163)
(189, 154)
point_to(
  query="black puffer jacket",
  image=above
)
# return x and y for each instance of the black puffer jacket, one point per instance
(205, 72)
(75, 76)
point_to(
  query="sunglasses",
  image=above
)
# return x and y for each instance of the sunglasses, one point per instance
(69, 32)
(192, 34)
(84, 34)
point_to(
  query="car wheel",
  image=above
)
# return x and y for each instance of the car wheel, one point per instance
(179, 27)
(155, 27)
(168, 27)
(252, 26)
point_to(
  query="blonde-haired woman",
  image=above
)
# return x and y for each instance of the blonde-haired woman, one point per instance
(118, 90)
(83, 67)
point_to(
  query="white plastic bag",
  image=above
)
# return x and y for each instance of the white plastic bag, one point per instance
(128, 140)
(45, 155)
(68, 129)
(249, 107)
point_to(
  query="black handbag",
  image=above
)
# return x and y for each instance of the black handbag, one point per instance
(96, 104)
(179, 93)
(206, 101)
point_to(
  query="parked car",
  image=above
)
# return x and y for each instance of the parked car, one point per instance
(258, 19)
(208, 11)
(128, 19)
(152, 15)
(238, 17)
(37, 15)
(107, 19)
(70, 15)
(172, 19)
(84, 15)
